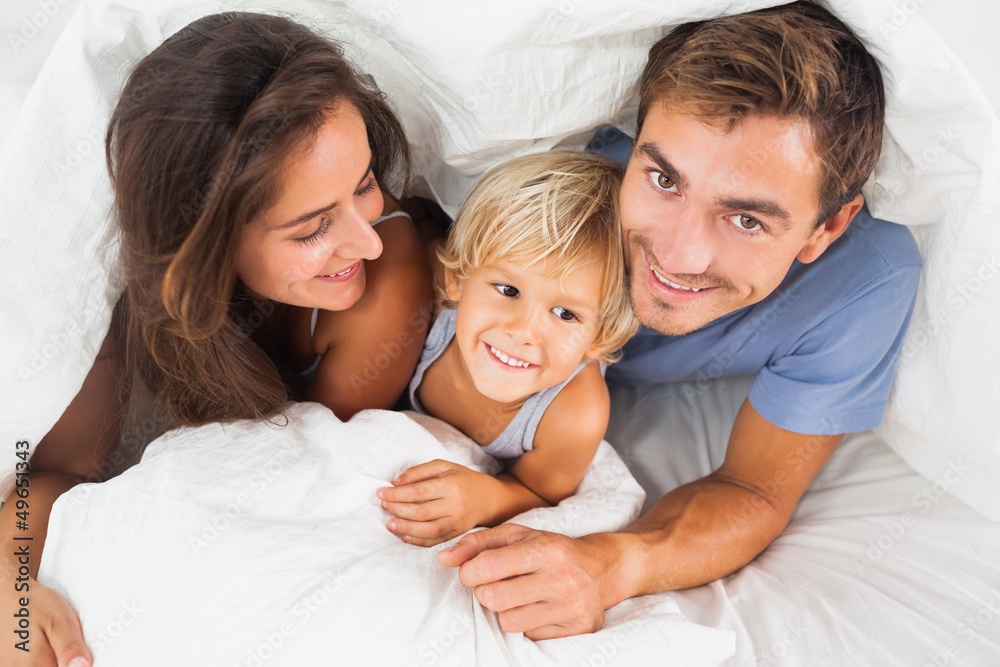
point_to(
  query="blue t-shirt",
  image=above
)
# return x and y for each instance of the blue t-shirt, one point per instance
(823, 345)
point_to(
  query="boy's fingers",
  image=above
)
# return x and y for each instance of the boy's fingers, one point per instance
(418, 492)
(423, 471)
(425, 542)
(416, 511)
(419, 529)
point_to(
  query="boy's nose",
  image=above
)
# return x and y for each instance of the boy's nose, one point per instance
(523, 327)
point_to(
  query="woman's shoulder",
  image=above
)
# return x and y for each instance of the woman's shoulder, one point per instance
(397, 288)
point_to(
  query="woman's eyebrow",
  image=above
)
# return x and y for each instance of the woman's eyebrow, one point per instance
(306, 216)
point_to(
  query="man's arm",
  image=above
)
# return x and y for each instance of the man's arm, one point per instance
(548, 585)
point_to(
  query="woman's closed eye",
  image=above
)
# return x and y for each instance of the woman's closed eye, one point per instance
(314, 238)
(506, 290)
(369, 187)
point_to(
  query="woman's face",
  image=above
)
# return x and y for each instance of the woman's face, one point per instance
(309, 248)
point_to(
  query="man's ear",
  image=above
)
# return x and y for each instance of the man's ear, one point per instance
(829, 231)
(452, 285)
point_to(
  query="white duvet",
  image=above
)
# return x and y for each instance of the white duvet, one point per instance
(248, 544)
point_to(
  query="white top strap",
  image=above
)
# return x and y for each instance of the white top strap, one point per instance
(392, 214)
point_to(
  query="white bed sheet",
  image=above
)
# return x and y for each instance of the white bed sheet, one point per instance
(249, 544)
(878, 566)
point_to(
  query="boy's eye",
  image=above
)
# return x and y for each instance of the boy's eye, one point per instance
(564, 315)
(506, 290)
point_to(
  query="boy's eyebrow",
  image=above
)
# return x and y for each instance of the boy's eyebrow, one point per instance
(306, 216)
(763, 206)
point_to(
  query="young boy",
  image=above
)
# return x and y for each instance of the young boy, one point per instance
(534, 280)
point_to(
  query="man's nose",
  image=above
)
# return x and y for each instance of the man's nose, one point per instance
(687, 243)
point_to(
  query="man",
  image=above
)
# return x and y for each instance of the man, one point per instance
(755, 135)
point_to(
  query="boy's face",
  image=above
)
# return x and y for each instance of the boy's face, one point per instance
(712, 221)
(519, 330)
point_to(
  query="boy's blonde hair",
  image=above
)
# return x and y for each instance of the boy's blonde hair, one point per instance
(561, 205)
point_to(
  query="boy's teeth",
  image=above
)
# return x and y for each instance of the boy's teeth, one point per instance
(507, 359)
(675, 285)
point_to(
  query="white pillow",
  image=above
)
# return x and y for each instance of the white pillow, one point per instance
(477, 84)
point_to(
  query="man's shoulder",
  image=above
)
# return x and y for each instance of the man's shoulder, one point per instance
(876, 245)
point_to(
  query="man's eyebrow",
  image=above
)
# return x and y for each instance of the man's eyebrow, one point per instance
(762, 206)
(651, 152)
(311, 214)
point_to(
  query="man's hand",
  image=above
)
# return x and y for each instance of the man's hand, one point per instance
(542, 584)
(55, 638)
(439, 500)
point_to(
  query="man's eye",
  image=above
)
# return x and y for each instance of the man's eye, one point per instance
(564, 315)
(506, 290)
(663, 182)
(744, 222)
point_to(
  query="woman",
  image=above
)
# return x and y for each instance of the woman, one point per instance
(246, 156)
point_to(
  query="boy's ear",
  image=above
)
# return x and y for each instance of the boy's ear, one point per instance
(829, 231)
(452, 285)
(592, 353)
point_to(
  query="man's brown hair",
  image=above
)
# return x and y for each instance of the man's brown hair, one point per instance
(795, 61)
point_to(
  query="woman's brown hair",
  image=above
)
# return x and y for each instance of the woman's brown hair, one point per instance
(195, 149)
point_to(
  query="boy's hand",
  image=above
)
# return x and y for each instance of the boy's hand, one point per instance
(439, 500)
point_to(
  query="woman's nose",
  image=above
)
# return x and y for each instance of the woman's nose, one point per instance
(359, 240)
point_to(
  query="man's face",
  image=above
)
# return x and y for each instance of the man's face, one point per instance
(712, 220)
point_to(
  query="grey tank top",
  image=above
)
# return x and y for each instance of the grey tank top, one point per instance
(519, 435)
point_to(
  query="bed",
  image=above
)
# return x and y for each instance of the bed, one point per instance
(892, 557)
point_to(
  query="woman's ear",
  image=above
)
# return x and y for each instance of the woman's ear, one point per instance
(829, 231)
(452, 285)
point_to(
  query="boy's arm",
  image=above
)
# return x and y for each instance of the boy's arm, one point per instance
(567, 437)
(439, 500)
(549, 585)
